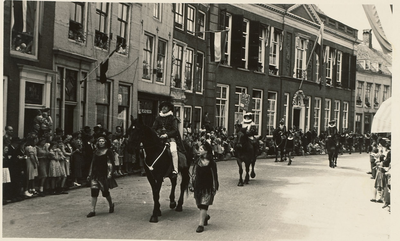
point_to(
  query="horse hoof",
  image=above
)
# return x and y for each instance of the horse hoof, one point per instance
(179, 208)
(253, 175)
(240, 184)
(154, 219)
(172, 205)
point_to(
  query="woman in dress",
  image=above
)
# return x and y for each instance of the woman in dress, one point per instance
(32, 164)
(55, 170)
(100, 175)
(66, 149)
(44, 162)
(77, 161)
(204, 182)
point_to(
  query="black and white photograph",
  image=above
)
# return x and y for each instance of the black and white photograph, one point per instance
(199, 120)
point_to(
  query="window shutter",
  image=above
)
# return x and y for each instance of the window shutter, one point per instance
(237, 35)
(353, 72)
(345, 70)
(253, 45)
(222, 19)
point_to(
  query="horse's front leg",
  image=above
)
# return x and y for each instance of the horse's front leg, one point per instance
(156, 187)
(240, 183)
(247, 177)
(184, 188)
(253, 163)
(172, 203)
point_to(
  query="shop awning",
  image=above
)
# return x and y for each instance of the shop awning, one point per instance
(382, 122)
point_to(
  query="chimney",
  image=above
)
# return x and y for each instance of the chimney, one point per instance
(367, 37)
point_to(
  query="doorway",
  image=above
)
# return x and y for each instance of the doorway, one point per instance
(296, 118)
(69, 119)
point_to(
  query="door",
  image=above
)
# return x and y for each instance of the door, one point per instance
(69, 119)
(296, 118)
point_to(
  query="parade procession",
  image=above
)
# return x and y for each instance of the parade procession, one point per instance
(197, 121)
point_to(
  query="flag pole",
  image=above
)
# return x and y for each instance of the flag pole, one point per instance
(99, 64)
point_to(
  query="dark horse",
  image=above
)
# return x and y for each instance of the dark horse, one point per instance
(158, 164)
(332, 147)
(246, 151)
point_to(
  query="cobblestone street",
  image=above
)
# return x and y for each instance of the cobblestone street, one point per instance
(304, 201)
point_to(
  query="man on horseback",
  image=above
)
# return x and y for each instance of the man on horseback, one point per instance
(332, 140)
(166, 126)
(279, 137)
(251, 130)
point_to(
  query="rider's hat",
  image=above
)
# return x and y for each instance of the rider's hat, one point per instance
(332, 122)
(282, 122)
(168, 104)
(249, 114)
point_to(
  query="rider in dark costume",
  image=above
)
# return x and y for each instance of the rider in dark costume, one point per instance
(332, 135)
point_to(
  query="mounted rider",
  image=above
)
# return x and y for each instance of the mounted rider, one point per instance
(166, 126)
(332, 130)
(249, 125)
(279, 135)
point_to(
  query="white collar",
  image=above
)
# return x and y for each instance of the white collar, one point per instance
(166, 114)
(247, 121)
(329, 125)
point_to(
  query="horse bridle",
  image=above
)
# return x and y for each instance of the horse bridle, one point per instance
(151, 168)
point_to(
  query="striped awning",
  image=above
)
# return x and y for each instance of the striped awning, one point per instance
(382, 122)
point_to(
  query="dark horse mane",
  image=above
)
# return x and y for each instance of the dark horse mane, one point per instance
(158, 164)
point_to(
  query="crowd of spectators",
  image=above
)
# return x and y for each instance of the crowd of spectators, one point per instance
(46, 163)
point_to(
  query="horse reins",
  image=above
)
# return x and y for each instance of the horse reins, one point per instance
(151, 168)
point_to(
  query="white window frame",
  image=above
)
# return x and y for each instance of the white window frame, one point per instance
(187, 107)
(271, 125)
(164, 64)
(202, 73)
(317, 114)
(222, 118)
(377, 96)
(275, 43)
(261, 49)
(106, 22)
(286, 108)
(5, 91)
(327, 109)
(157, 11)
(246, 34)
(195, 128)
(189, 60)
(386, 89)
(337, 112)
(151, 58)
(228, 43)
(83, 20)
(257, 109)
(190, 22)
(35, 41)
(177, 44)
(339, 67)
(329, 64)
(307, 114)
(345, 115)
(178, 15)
(238, 111)
(122, 50)
(300, 57)
(202, 28)
(317, 74)
(368, 88)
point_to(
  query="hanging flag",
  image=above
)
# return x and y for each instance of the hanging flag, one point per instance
(103, 71)
(217, 46)
(375, 23)
(320, 50)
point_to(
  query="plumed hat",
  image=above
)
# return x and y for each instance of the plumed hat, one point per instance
(167, 104)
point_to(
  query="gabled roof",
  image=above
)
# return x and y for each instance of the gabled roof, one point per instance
(373, 56)
(306, 11)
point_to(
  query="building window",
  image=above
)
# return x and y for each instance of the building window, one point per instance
(189, 70)
(190, 19)
(123, 106)
(274, 51)
(257, 109)
(228, 25)
(271, 112)
(33, 93)
(376, 95)
(177, 59)
(103, 104)
(358, 123)
(82, 112)
(345, 115)
(76, 22)
(161, 53)
(101, 36)
(245, 43)
(5, 91)
(201, 20)
(337, 112)
(261, 49)
(222, 104)
(327, 113)
(197, 114)
(360, 86)
(122, 37)
(238, 105)
(187, 117)
(339, 68)
(286, 108)
(157, 10)
(147, 57)
(179, 15)
(385, 93)
(24, 23)
(301, 58)
(317, 114)
(199, 72)
(368, 95)
(329, 62)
